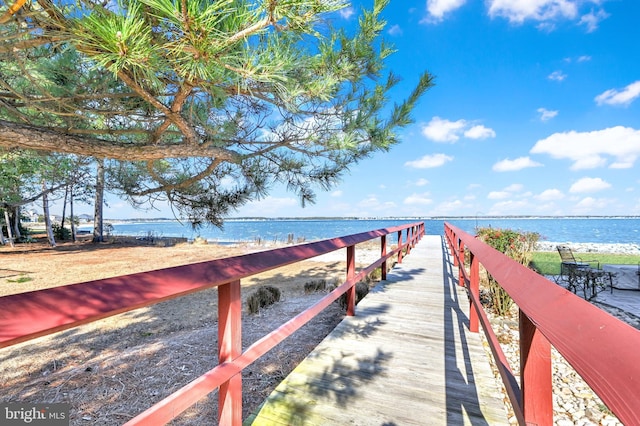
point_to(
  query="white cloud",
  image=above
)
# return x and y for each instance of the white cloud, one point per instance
(518, 11)
(429, 161)
(421, 182)
(420, 199)
(546, 114)
(498, 195)
(592, 19)
(623, 164)
(510, 206)
(480, 132)
(337, 193)
(590, 205)
(619, 97)
(448, 207)
(370, 201)
(438, 8)
(548, 12)
(589, 185)
(373, 204)
(546, 26)
(270, 205)
(582, 58)
(514, 187)
(557, 76)
(395, 30)
(507, 192)
(519, 163)
(589, 150)
(443, 130)
(347, 12)
(550, 195)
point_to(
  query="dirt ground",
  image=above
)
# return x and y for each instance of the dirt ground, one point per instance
(113, 369)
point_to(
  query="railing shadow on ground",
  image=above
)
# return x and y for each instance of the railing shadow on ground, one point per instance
(456, 324)
(63, 308)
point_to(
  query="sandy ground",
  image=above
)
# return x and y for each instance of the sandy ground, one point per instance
(111, 370)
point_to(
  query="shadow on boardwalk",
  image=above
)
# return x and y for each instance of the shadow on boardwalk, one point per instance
(406, 358)
(456, 326)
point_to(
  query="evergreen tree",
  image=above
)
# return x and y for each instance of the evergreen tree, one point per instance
(202, 103)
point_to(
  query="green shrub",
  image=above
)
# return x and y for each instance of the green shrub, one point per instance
(518, 246)
(264, 296)
(60, 232)
(315, 286)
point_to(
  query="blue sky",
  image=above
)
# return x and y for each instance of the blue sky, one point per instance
(535, 111)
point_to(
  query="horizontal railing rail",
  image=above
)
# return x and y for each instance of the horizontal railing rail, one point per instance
(601, 348)
(25, 316)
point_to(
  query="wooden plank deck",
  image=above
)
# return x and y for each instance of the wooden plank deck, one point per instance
(406, 358)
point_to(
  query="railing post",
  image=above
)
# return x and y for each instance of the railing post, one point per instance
(460, 264)
(400, 246)
(229, 348)
(474, 288)
(351, 273)
(453, 248)
(535, 374)
(383, 253)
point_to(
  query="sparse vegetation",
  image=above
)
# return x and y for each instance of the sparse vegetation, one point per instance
(264, 296)
(60, 232)
(518, 246)
(362, 289)
(20, 279)
(315, 286)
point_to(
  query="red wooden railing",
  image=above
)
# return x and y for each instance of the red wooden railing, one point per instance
(601, 348)
(29, 315)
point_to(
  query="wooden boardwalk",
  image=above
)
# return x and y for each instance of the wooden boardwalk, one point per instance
(406, 358)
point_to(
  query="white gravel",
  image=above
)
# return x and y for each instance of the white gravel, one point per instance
(591, 247)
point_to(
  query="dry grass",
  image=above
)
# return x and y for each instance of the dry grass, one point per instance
(113, 369)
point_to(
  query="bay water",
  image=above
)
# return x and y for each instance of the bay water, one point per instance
(621, 230)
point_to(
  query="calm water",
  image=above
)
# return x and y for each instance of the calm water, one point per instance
(610, 230)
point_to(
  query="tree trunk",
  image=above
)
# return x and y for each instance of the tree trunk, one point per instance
(98, 235)
(47, 217)
(72, 219)
(16, 223)
(2, 239)
(64, 204)
(6, 218)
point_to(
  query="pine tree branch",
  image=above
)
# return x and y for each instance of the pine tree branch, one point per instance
(168, 187)
(13, 135)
